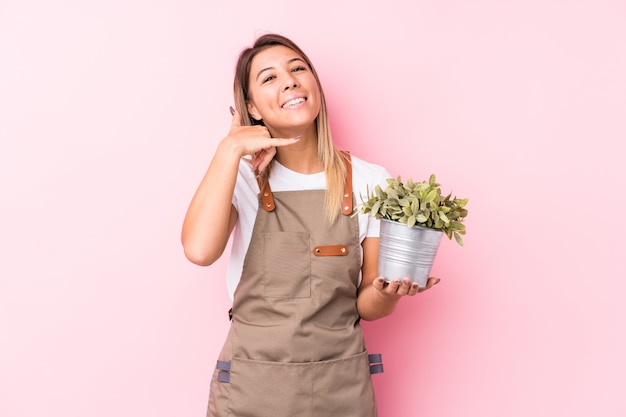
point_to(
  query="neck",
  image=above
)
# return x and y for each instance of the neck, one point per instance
(301, 157)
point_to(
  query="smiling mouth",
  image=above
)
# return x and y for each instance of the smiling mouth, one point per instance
(293, 102)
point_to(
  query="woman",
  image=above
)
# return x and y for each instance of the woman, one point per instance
(303, 269)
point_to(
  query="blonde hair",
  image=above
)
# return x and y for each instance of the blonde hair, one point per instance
(332, 159)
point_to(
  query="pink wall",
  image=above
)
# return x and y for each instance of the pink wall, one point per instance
(109, 114)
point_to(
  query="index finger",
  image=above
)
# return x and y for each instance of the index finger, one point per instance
(283, 141)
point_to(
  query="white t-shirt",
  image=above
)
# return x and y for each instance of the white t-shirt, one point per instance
(245, 200)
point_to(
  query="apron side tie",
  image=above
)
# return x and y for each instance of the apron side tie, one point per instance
(224, 371)
(376, 365)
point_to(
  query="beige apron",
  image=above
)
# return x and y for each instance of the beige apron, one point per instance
(295, 346)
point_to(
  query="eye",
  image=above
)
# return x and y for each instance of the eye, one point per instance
(268, 78)
(298, 68)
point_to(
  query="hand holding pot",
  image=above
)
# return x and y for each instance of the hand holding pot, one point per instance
(402, 287)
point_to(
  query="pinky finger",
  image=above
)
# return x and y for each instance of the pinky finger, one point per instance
(263, 158)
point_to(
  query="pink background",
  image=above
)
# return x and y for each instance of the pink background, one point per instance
(110, 112)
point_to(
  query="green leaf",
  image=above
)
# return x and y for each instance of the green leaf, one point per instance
(379, 192)
(411, 221)
(376, 208)
(421, 187)
(456, 226)
(430, 197)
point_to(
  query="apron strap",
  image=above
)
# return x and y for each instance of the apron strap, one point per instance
(346, 205)
(267, 199)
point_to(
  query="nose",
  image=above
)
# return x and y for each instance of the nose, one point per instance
(290, 82)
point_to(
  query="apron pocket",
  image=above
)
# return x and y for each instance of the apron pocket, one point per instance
(344, 388)
(287, 263)
(341, 387)
(263, 389)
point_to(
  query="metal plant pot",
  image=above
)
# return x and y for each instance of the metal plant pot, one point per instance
(407, 251)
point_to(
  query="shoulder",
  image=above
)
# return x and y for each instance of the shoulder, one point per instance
(367, 172)
(366, 176)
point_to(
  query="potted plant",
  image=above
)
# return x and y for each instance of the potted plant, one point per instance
(414, 216)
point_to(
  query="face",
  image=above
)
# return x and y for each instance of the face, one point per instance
(283, 92)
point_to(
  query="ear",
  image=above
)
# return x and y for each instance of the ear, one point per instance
(252, 110)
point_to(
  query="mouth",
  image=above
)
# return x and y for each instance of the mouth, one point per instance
(293, 102)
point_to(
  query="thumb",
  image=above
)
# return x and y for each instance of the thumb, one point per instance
(379, 283)
(236, 118)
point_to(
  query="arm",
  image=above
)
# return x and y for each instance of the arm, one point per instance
(375, 298)
(211, 216)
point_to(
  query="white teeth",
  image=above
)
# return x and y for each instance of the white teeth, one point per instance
(293, 102)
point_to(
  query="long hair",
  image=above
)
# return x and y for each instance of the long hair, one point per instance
(332, 159)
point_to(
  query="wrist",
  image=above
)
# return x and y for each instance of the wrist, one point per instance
(229, 149)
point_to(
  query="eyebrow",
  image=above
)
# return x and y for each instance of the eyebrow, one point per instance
(270, 68)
